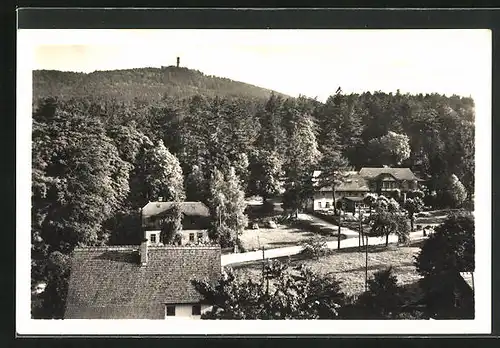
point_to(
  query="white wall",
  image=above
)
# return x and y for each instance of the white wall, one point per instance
(185, 236)
(148, 236)
(325, 197)
(184, 311)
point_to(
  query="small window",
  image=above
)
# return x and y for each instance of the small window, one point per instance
(191, 237)
(153, 238)
(327, 205)
(170, 311)
(200, 235)
(319, 204)
(196, 310)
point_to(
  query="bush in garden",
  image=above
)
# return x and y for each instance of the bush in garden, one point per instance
(383, 299)
(314, 248)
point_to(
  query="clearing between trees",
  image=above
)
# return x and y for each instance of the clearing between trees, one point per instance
(348, 265)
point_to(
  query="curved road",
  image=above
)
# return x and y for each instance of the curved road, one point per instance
(350, 242)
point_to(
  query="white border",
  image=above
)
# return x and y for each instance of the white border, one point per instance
(28, 39)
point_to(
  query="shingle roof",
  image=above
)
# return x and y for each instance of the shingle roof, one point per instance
(354, 199)
(109, 282)
(188, 208)
(352, 182)
(398, 173)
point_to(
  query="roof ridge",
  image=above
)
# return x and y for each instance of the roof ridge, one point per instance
(159, 247)
(107, 247)
(137, 246)
(180, 202)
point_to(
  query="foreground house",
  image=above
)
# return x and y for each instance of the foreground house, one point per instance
(195, 221)
(356, 185)
(140, 282)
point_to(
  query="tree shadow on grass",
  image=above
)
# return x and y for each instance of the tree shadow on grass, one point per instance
(379, 248)
(277, 244)
(375, 267)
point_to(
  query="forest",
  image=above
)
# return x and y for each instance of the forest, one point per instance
(103, 145)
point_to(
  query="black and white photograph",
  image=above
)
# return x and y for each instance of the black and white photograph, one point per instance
(308, 181)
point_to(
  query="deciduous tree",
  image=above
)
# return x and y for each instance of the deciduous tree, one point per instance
(413, 206)
(390, 149)
(446, 253)
(295, 293)
(227, 205)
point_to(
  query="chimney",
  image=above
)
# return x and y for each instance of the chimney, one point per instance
(178, 61)
(144, 252)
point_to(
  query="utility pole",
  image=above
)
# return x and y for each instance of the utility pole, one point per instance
(361, 228)
(366, 264)
(263, 267)
(340, 223)
(359, 231)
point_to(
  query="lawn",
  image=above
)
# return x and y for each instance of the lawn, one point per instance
(434, 217)
(282, 236)
(348, 266)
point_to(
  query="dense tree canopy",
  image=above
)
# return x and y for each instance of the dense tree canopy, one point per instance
(443, 256)
(286, 293)
(101, 151)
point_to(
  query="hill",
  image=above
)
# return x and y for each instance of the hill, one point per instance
(144, 83)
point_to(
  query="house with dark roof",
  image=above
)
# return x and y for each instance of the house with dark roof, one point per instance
(195, 221)
(383, 179)
(355, 186)
(353, 189)
(140, 282)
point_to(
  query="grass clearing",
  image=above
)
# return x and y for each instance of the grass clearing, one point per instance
(282, 236)
(348, 266)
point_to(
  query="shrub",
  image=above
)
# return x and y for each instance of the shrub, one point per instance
(267, 208)
(395, 194)
(314, 248)
(328, 231)
(415, 193)
(383, 299)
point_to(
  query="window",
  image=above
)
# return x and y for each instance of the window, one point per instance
(200, 235)
(191, 237)
(196, 310)
(327, 205)
(319, 204)
(170, 311)
(152, 238)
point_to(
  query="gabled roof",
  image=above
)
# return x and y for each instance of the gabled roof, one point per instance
(352, 182)
(110, 283)
(397, 173)
(353, 199)
(187, 208)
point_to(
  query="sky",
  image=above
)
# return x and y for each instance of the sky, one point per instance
(309, 62)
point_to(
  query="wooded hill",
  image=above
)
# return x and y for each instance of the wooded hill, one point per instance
(148, 84)
(106, 143)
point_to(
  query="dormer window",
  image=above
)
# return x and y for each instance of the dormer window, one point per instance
(152, 238)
